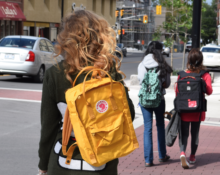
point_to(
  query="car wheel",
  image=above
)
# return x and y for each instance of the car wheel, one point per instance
(19, 76)
(40, 75)
(125, 54)
(168, 55)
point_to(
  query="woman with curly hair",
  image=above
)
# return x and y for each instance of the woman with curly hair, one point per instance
(85, 40)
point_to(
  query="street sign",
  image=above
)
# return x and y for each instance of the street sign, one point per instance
(158, 10)
(122, 12)
(119, 32)
(123, 31)
(116, 13)
(145, 19)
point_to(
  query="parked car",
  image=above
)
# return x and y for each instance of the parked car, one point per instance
(26, 56)
(122, 49)
(211, 56)
(188, 46)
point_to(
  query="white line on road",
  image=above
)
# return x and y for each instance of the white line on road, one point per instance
(16, 99)
(17, 130)
(21, 89)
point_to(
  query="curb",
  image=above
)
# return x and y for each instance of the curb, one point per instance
(135, 82)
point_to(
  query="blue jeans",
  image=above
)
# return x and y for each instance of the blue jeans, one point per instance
(148, 142)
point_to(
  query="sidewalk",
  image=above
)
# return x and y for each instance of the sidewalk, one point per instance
(208, 156)
(208, 153)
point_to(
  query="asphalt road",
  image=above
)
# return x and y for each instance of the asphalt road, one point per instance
(20, 118)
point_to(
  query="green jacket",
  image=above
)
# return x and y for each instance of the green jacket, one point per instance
(53, 107)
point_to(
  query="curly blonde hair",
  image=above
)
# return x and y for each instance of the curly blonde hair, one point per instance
(86, 39)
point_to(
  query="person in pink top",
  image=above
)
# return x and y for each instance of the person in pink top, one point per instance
(194, 65)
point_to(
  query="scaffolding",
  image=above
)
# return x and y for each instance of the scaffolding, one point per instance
(137, 34)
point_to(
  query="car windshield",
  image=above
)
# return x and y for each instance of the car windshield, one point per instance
(212, 50)
(17, 42)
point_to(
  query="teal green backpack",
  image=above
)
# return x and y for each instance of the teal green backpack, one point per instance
(150, 93)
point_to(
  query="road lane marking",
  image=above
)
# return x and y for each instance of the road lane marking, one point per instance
(20, 129)
(16, 99)
(21, 89)
(21, 94)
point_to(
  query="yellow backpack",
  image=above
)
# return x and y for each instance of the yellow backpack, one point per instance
(99, 114)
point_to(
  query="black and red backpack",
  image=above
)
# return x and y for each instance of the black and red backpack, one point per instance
(190, 93)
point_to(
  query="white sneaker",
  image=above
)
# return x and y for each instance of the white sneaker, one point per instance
(183, 160)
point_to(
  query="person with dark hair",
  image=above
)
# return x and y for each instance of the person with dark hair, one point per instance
(194, 65)
(153, 59)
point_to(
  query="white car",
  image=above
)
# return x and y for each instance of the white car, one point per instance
(26, 56)
(188, 46)
(211, 56)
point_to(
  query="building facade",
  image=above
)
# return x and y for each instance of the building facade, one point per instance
(44, 16)
(11, 17)
(136, 32)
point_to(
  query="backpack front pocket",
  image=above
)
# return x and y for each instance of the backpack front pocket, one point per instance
(107, 135)
(188, 101)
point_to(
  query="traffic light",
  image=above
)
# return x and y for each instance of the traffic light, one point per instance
(119, 32)
(145, 19)
(116, 13)
(158, 10)
(123, 31)
(122, 12)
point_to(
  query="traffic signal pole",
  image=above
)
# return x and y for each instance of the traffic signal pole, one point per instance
(196, 30)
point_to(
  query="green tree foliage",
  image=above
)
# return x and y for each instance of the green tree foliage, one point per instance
(208, 32)
(178, 21)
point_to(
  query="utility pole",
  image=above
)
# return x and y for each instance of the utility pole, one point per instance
(62, 9)
(172, 44)
(196, 29)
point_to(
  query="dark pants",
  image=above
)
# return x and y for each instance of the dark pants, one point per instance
(195, 126)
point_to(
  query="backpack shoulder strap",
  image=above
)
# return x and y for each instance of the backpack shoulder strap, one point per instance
(202, 72)
(182, 74)
(67, 129)
(152, 69)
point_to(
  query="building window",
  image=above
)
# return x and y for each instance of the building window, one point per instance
(111, 8)
(12, 28)
(103, 7)
(7, 29)
(94, 6)
(2, 32)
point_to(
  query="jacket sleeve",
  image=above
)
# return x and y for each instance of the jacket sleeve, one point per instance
(49, 122)
(207, 78)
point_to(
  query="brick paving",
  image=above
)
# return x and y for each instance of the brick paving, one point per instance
(208, 156)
